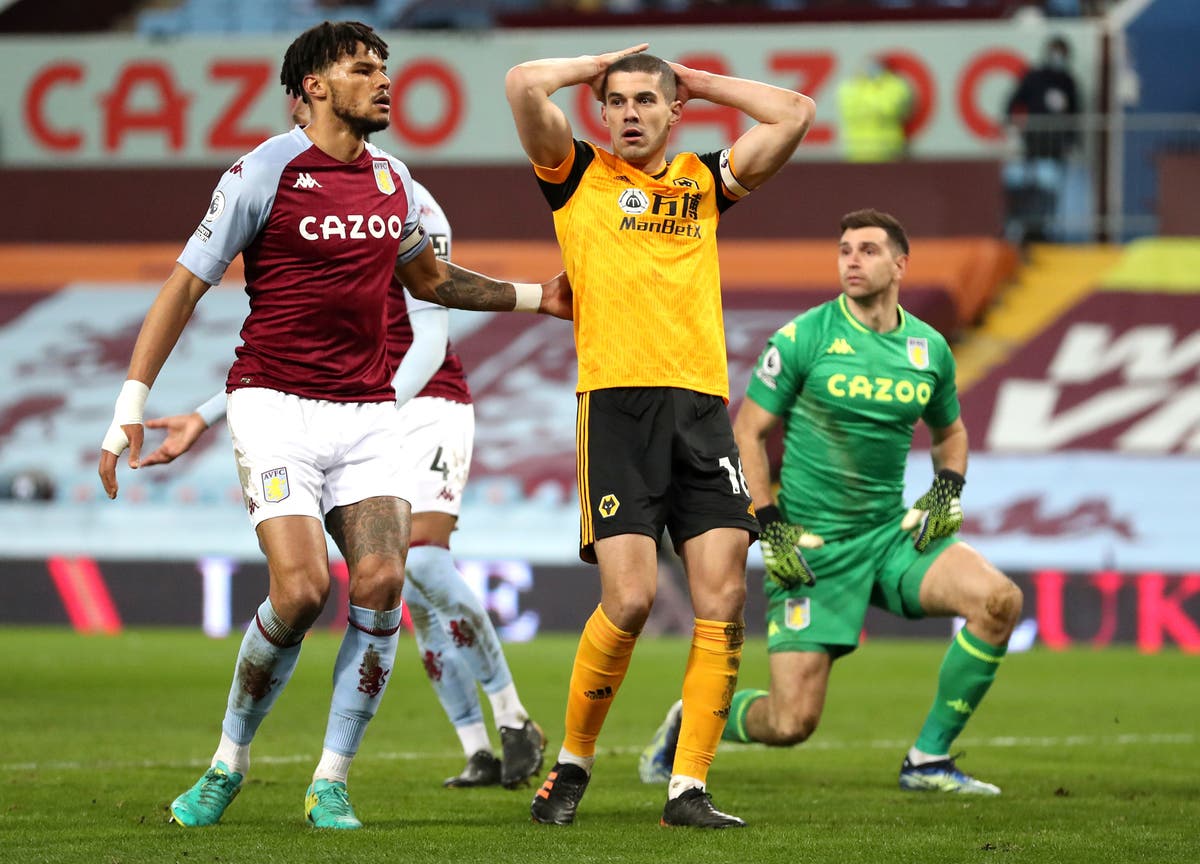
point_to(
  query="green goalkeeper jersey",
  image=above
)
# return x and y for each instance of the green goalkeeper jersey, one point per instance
(850, 398)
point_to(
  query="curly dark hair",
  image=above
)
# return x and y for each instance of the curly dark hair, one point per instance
(869, 218)
(319, 47)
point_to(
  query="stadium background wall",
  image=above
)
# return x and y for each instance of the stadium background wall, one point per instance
(147, 205)
(1152, 610)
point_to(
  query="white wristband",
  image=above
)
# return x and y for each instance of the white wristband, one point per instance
(131, 403)
(529, 296)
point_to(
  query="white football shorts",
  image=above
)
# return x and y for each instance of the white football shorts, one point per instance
(303, 457)
(436, 454)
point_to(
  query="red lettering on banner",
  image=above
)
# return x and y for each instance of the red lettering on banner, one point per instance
(813, 69)
(1048, 591)
(252, 79)
(84, 594)
(587, 109)
(1108, 583)
(987, 63)
(53, 76)
(122, 118)
(442, 128)
(728, 120)
(1160, 611)
(913, 69)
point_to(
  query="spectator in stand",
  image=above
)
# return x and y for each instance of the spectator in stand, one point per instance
(1043, 110)
(874, 104)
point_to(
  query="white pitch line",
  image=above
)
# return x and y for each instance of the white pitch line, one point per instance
(1003, 741)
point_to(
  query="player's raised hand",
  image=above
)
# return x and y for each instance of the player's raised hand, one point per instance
(125, 432)
(603, 61)
(685, 78)
(783, 546)
(182, 432)
(557, 297)
(937, 513)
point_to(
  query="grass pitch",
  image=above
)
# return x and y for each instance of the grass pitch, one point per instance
(1098, 754)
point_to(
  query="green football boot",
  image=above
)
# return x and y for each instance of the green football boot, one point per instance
(204, 803)
(327, 805)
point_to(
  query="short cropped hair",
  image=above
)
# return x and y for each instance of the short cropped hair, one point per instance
(319, 47)
(869, 218)
(646, 63)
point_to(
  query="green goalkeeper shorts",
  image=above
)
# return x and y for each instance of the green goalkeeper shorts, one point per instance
(879, 568)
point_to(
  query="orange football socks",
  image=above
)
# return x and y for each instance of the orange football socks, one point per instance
(708, 686)
(600, 665)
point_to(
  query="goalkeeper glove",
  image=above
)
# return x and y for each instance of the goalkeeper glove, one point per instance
(937, 513)
(782, 546)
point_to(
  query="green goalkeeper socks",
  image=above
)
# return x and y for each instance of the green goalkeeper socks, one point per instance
(967, 672)
(735, 726)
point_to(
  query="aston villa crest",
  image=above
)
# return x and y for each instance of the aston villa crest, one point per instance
(383, 176)
(918, 352)
(275, 485)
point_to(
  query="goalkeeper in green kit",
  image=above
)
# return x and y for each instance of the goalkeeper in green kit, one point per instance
(849, 379)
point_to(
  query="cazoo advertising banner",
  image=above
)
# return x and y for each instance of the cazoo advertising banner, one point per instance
(125, 100)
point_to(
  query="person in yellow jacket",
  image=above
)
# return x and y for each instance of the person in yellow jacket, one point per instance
(874, 105)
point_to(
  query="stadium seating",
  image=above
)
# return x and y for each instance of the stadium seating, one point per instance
(69, 314)
(202, 17)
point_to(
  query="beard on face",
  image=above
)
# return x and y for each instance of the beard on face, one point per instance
(359, 124)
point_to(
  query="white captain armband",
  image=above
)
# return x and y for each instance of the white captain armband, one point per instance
(411, 242)
(730, 181)
(529, 296)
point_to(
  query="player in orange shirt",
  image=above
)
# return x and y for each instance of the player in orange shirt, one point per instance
(654, 445)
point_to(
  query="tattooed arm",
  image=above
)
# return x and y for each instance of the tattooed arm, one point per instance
(437, 281)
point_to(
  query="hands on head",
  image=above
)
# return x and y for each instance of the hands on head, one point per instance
(603, 61)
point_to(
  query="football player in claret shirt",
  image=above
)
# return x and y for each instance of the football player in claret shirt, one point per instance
(324, 221)
(849, 379)
(654, 444)
(455, 637)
